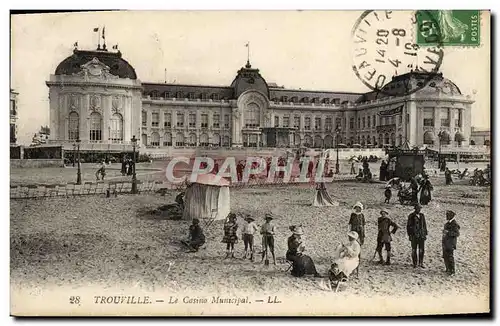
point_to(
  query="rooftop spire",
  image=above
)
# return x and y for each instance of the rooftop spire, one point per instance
(248, 65)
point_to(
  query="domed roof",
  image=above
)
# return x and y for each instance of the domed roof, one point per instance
(117, 65)
(249, 78)
(419, 82)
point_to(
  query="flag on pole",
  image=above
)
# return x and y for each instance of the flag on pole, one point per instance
(96, 29)
(115, 47)
(103, 31)
(246, 45)
(76, 44)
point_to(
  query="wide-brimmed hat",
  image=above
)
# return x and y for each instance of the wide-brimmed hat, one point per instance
(249, 219)
(450, 214)
(358, 204)
(388, 186)
(231, 215)
(268, 216)
(383, 210)
(417, 206)
(353, 234)
(298, 230)
(196, 221)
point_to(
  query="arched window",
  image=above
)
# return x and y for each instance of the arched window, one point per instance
(216, 140)
(252, 116)
(179, 140)
(73, 125)
(393, 139)
(227, 141)
(363, 141)
(203, 140)
(428, 138)
(155, 139)
(308, 142)
(95, 127)
(144, 139)
(167, 139)
(116, 128)
(328, 141)
(192, 140)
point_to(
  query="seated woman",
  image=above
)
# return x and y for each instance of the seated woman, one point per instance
(196, 237)
(301, 264)
(346, 256)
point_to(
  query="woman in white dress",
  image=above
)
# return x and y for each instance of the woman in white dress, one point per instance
(346, 256)
(322, 197)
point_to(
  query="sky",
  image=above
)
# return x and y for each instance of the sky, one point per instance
(295, 49)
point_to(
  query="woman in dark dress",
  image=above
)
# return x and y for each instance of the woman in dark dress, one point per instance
(301, 264)
(357, 222)
(425, 191)
(383, 171)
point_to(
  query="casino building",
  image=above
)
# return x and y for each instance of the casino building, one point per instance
(97, 97)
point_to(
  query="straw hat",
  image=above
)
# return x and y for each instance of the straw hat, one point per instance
(358, 204)
(298, 230)
(353, 234)
(269, 216)
(450, 214)
(196, 221)
(383, 210)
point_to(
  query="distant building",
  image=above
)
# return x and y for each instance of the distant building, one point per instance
(96, 96)
(13, 117)
(480, 136)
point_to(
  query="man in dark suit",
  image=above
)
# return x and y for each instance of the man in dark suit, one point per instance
(451, 232)
(417, 233)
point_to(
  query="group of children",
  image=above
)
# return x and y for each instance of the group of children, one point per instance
(417, 234)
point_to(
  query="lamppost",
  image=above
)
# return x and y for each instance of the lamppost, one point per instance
(134, 177)
(441, 136)
(79, 171)
(337, 132)
(74, 154)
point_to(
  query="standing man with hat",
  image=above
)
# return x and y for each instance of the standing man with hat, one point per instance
(267, 231)
(247, 234)
(451, 232)
(384, 235)
(417, 233)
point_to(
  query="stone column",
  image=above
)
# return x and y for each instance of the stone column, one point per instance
(106, 116)
(236, 127)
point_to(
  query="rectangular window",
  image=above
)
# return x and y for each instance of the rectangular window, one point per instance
(307, 123)
(338, 123)
(458, 120)
(364, 125)
(167, 120)
(180, 120)
(351, 123)
(144, 118)
(226, 121)
(155, 119)
(368, 121)
(445, 122)
(178, 95)
(374, 121)
(296, 122)
(204, 120)
(428, 122)
(191, 96)
(192, 120)
(317, 123)
(284, 99)
(276, 121)
(328, 123)
(400, 119)
(359, 123)
(286, 122)
(215, 97)
(216, 120)
(12, 107)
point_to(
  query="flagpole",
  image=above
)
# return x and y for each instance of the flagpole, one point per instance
(165, 75)
(248, 51)
(98, 39)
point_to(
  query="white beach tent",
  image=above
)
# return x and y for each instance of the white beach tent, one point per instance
(207, 198)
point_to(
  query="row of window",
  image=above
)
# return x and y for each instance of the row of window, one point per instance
(181, 140)
(95, 127)
(189, 95)
(429, 122)
(315, 100)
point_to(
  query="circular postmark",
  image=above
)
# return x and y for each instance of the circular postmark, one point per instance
(385, 46)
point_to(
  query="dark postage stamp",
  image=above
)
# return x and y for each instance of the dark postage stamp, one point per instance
(385, 46)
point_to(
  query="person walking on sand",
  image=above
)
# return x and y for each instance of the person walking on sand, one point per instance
(247, 234)
(101, 171)
(416, 228)
(384, 235)
(387, 194)
(357, 222)
(451, 232)
(230, 236)
(447, 176)
(267, 231)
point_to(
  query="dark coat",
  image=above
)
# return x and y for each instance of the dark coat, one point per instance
(416, 226)
(384, 229)
(450, 237)
(357, 222)
(197, 236)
